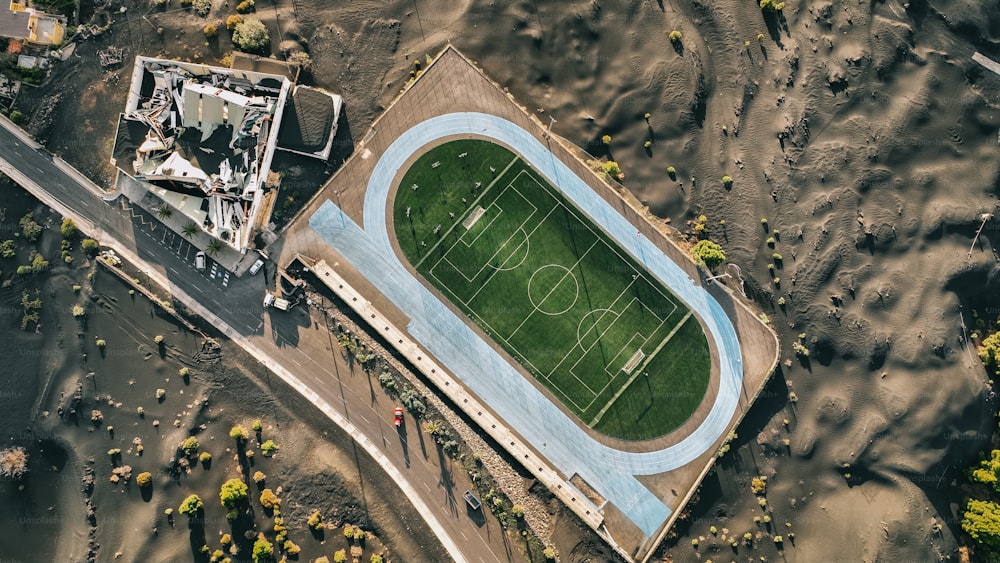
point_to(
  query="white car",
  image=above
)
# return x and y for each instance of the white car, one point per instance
(256, 267)
(199, 260)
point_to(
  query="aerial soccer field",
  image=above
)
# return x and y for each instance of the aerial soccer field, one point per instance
(610, 342)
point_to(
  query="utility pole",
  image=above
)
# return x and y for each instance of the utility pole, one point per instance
(986, 217)
(548, 131)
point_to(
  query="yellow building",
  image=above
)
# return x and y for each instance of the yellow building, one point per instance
(22, 21)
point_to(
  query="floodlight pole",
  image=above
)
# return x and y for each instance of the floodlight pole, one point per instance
(986, 217)
(548, 130)
(713, 278)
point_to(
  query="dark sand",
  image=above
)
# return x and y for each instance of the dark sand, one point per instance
(58, 376)
(888, 157)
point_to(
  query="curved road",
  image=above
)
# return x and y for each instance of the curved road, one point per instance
(484, 370)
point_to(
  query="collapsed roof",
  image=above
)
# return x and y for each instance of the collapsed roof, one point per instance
(205, 131)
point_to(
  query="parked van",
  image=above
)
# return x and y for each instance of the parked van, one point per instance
(199, 260)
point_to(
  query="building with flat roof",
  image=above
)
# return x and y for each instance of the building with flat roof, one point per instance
(22, 21)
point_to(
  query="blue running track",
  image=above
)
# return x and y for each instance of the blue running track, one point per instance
(457, 347)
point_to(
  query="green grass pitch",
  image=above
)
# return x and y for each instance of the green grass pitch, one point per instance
(605, 338)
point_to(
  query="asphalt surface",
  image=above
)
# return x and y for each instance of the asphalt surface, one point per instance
(291, 338)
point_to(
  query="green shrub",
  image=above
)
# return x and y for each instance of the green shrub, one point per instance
(23, 270)
(232, 492)
(315, 520)
(90, 246)
(708, 253)
(29, 228)
(191, 505)
(67, 228)
(268, 499)
(7, 249)
(189, 446)
(269, 448)
(251, 35)
(202, 7)
(989, 352)
(39, 264)
(262, 550)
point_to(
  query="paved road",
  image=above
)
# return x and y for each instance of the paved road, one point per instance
(293, 342)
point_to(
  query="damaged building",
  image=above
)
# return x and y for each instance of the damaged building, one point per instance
(202, 139)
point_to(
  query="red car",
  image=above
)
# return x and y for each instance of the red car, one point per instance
(398, 416)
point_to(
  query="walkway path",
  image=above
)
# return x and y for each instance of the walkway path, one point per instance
(611, 472)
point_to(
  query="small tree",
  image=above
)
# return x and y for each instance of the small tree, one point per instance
(39, 264)
(237, 433)
(68, 228)
(144, 479)
(202, 7)
(189, 446)
(708, 253)
(210, 30)
(262, 550)
(315, 520)
(268, 499)
(981, 520)
(251, 35)
(232, 21)
(90, 246)
(233, 492)
(269, 448)
(214, 247)
(340, 556)
(612, 169)
(727, 181)
(989, 353)
(606, 139)
(259, 477)
(191, 506)
(245, 6)
(675, 37)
